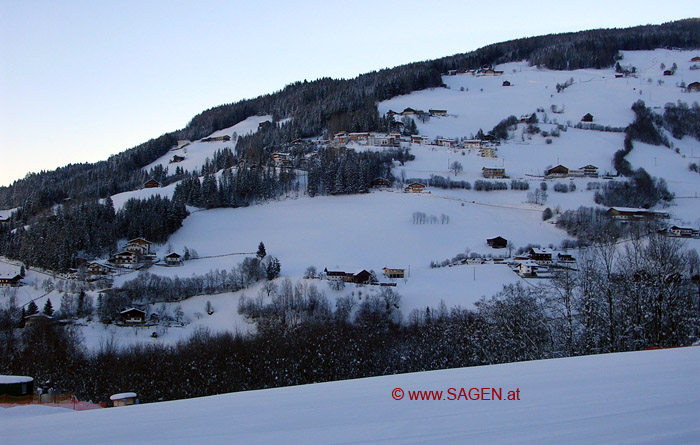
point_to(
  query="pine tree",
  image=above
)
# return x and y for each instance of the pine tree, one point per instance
(32, 308)
(48, 308)
(273, 268)
(261, 251)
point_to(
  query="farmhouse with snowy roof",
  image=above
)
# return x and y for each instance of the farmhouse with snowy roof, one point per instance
(542, 256)
(422, 140)
(12, 280)
(527, 268)
(444, 142)
(173, 259)
(414, 187)
(133, 316)
(394, 273)
(590, 171)
(139, 245)
(125, 257)
(96, 269)
(685, 232)
(557, 172)
(693, 87)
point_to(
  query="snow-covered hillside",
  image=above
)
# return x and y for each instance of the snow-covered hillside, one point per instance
(648, 397)
(376, 230)
(197, 152)
(194, 155)
(484, 101)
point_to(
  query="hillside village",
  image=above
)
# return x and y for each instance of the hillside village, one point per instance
(444, 223)
(468, 158)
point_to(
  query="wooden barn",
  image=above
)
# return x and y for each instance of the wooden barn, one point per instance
(380, 182)
(151, 184)
(497, 242)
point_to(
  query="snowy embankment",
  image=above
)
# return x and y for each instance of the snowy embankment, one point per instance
(648, 396)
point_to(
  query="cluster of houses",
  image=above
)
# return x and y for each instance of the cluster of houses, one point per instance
(411, 112)
(366, 138)
(136, 251)
(483, 71)
(363, 276)
(486, 148)
(536, 263)
(589, 171)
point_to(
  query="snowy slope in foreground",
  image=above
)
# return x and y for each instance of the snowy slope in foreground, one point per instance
(646, 396)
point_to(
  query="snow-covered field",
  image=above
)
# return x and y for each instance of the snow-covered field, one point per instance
(648, 397)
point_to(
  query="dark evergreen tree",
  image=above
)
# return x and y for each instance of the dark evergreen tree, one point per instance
(48, 308)
(32, 308)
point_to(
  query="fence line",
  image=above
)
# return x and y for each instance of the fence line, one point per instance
(68, 401)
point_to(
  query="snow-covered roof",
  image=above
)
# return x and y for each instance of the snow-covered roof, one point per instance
(542, 251)
(131, 309)
(630, 209)
(6, 379)
(529, 263)
(123, 395)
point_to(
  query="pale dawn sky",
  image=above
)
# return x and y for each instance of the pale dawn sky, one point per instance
(81, 80)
